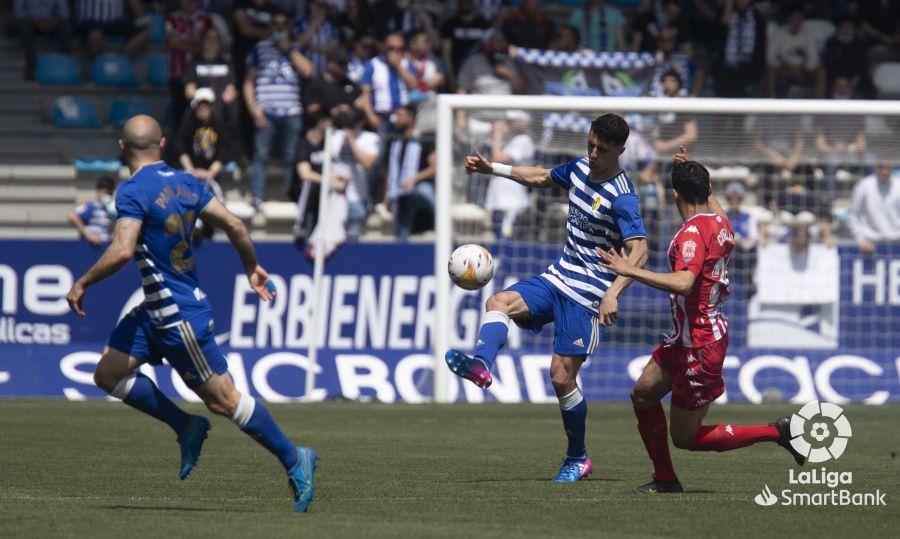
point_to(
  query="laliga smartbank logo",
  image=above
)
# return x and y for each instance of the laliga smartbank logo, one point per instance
(820, 431)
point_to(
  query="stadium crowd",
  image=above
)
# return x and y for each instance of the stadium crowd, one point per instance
(250, 80)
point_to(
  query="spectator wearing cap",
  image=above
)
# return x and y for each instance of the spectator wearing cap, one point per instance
(410, 174)
(272, 95)
(202, 137)
(528, 26)
(602, 26)
(874, 212)
(793, 58)
(333, 93)
(94, 219)
(317, 34)
(210, 69)
(746, 228)
(184, 28)
(461, 36)
(98, 19)
(41, 17)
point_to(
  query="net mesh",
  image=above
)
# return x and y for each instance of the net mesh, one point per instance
(791, 176)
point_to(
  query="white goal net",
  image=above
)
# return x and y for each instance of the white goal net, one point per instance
(815, 280)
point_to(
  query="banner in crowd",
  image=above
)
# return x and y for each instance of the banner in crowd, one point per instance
(376, 338)
(586, 73)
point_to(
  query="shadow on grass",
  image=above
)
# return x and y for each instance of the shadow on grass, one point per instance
(175, 508)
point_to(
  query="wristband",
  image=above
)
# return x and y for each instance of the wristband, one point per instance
(499, 169)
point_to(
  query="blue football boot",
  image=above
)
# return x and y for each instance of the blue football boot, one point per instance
(191, 440)
(301, 478)
(574, 470)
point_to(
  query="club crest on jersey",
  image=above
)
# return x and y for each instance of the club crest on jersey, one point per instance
(688, 249)
(596, 203)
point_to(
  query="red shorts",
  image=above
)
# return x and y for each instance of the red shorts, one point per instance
(696, 372)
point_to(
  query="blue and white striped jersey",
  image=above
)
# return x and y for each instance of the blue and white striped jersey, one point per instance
(167, 202)
(277, 82)
(388, 88)
(601, 214)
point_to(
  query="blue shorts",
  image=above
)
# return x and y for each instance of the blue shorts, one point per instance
(576, 331)
(189, 346)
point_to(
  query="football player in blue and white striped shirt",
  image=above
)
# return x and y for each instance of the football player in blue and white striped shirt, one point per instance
(576, 293)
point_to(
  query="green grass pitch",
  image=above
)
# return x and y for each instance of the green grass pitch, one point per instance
(100, 469)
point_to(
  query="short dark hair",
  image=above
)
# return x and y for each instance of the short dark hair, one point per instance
(691, 181)
(610, 128)
(672, 72)
(106, 183)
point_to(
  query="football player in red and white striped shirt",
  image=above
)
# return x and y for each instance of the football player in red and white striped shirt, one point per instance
(689, 362)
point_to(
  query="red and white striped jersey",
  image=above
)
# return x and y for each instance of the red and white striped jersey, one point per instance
(702, 246)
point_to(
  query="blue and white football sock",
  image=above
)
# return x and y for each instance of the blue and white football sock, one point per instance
(574, 415)
(253, 418)
(491, 336)
(139, 392)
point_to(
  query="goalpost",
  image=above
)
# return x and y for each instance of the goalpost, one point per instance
(825, 148)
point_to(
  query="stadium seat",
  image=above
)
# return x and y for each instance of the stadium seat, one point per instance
(123, 108)
(75, 112)
(113, 69)
(57, 69)
(886, 77)
(158, 69)
(157, 28)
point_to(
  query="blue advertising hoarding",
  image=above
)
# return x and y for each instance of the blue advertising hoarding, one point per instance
(376, 339)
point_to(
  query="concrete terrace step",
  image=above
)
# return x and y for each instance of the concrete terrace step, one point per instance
(30, 192)
(42, 214)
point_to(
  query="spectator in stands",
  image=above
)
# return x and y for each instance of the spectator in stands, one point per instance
(310, 158)
(94, 220)
(415, 17)
(355, 154)
(881, 22)
(252, 23)
(799, 199)
(422, 65)
(845, 57)
(602, 26)
(656, 15)
(746, 229)
(99, 19)
(528, 26)
(567, 39)
(386, 81)
(202, 138)
(841, 139)
(780, 141)
(739, 64)
(332, 93)
(209, 69)
(874, 212)
(511, 143)
(461, 35)
(671, 58)
(673, 130)
(410, 175)
(362, 51)
(41, 17)
(184, 28)
(272, 95)
(355, 21)
(491, 72)
(793, 59)
(317, 34)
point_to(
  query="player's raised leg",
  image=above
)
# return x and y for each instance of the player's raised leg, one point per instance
(652, 385)
(573, 407)
(251, 416)
(499, 309)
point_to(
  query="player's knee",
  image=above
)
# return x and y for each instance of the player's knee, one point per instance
(105, 380)
(495, 303)
(682, 440)
(641, 396)
(224, 405)
(563, 382)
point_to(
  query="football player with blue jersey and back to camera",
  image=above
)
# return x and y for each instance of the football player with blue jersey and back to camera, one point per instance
(575, 293)
(157, 208)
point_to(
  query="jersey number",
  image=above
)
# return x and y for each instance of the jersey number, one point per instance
(176, 225)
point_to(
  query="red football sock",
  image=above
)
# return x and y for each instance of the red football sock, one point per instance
(727, 437)
(652, 426)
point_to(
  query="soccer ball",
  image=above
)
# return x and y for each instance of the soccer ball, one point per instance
(471, 266)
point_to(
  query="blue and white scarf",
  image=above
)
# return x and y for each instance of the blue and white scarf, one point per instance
(741, 40)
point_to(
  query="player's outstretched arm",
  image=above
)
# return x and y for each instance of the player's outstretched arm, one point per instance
(682, 157)
(679, 282)
(218, 215)
(119, 252)
(527, 176)
(637, 257)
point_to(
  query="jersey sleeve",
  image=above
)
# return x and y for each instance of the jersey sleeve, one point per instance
(560, 175)
(84, 212)
(690, 252)
(132, 202)
(368, 72)
(205, 196)
(626, 211)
